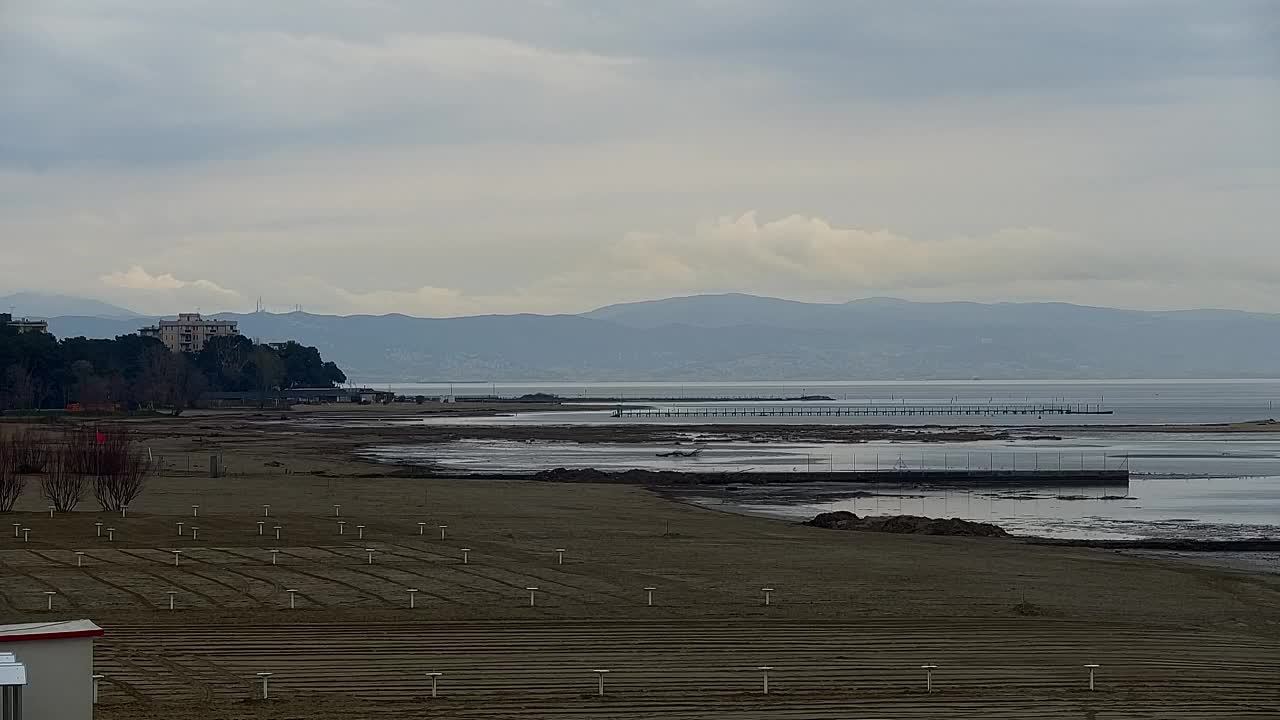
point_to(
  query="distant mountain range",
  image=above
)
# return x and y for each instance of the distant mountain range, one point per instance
(744, 337)
(42, 305)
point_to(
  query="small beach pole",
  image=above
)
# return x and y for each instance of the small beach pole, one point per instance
(532, 591)
(600, 678)
(1092, 667)
(195, 511)
(434, 676)
(342, 527)
(275, 554)
(49, 597)
(466, 553)
(370, 551)
(422, 528)
(292, 603)
(412, 592)
(928, 676)
(170, 593)
(649, 593)
(560, 556)
(360, 532)
(768, 592)
(260, 524)
(442, 530)
(176, 554)
(263, 677)
(79, 558)
(96, 679)
(180, 524)
(765, 670)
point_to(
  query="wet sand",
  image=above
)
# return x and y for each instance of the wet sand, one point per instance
(852, 618)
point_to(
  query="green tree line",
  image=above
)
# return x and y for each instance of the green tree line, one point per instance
(39, 371)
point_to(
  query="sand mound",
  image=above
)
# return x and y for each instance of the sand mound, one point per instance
(906, 524)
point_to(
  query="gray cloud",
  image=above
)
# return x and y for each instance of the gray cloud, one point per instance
(441, 157)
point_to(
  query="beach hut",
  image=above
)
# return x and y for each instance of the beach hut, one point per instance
(57, 668)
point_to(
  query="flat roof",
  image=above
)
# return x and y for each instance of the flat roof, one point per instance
(26, 632)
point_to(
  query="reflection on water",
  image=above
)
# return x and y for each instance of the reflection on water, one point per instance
(1214, 508)
(1184, 486)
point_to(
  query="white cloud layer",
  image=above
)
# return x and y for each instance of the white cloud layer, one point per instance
(448, 158)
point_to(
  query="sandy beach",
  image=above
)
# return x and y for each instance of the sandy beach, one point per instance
(851, 618)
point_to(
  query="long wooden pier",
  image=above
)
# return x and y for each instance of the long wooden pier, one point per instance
(860, 410)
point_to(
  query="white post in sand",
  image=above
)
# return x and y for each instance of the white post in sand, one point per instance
(79, 558)
(1092, 667)
(342, 527)
(600, 675)
(26, 534)
(370, 551)
(412, 592)
(17, 529)
(466, 556)
(337, 511)
(195, 511)
(560, 556)
(49, 595)
(360, 532)
(649, 592)
(96, 678)
(266, 511)
(765, 669)
(176, 554)
(274, 555)
(263, 676)
(442, 529)
(434, 676)
(111, 534)
(194, 531)
(260, 528)
(180, 524)
(928, 676)
(97, 525)
(292, 603)
(768, 593)
(51, 509)
(170, 593)
(531, 590)
(123, 510)
(277, 528)
(422, 528)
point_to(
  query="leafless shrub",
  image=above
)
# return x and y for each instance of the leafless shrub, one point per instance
(30, 452)
(118, 468)
(63, 483)
(11, 482)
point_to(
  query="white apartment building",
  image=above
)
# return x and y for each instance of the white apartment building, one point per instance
(189, 332)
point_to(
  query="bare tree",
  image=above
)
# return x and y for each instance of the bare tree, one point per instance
(63, 483)
(119, 469)
(11, 482)
(30, 452)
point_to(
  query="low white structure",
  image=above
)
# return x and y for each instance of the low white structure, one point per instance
(58, 662)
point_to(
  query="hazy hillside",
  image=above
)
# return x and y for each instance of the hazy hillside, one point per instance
(744, 337)
(29, 304)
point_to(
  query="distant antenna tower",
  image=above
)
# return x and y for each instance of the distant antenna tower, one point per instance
(259, 309)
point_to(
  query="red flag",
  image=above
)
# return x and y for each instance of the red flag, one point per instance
(102, 438)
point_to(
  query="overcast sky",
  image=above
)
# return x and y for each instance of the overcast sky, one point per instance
(445, 157)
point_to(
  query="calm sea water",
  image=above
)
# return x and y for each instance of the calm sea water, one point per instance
(1132, 401)
(1206, 485)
